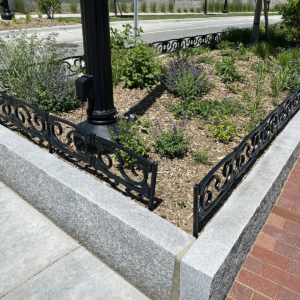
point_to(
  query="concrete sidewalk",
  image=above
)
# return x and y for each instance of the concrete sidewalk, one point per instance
(40, 261)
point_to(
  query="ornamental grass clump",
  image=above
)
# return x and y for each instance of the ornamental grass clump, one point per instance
(53, 90)
(184, 79)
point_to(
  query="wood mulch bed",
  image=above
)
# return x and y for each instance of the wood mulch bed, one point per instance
(176, 177)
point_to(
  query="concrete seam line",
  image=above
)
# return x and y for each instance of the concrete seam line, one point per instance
(175, 294)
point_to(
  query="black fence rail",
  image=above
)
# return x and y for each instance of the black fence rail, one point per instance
(187, 42)
(213, 187)
(86, 147)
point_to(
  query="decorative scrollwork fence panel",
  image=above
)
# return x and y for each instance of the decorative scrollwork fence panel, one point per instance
(213, 187)
(86, 147)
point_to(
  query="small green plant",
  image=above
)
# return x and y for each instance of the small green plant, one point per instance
(40, 15)
(181, 203)
(20, 6)
(130, 134)
(185, 10)
(192, 9)
(242, 52)
(201, 157)
(279, 81)
(262, 49)
(172, 143)
(171, 6)
(223, 129)
(204, 59)
(111, 5)
(225, 45)
(227, 53)
(49, 7)
(73, 6)
(144, 7)
(178, 9)
(163, 7)
(198, 10)
(226, 69)
(15, 20)
(124, 7)
(27, 18)
(122, 39)
(153, 7)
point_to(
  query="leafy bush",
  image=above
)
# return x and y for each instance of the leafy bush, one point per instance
(73, 6)
(144, 7)
(52, 90)
(49, 7)
(153, 7)
(171, 6)
(226, 69)
(172, 142)
(291, 17)
(185, 10)
(20, 6)
(185, 80)
(140, 67)
(223, 129)
(198, 10)
(242, 51)
(27, 18)
(111, 5)
(122, 39)
(178, 9)
(130, 135)
(116, 66)
(15, 20)
(201, 157)
(124, 7)
(262, 49)
(21, 56)
(192, 9)
(163, 7)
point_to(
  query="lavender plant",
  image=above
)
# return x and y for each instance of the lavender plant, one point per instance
(184, 79)
(52, 90)
(172, 142)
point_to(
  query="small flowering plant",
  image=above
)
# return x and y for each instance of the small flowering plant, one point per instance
(171, 143)
(184, 79)
(53, 90)
(130, 133)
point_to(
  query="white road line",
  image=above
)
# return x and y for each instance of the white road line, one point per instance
(78, 42)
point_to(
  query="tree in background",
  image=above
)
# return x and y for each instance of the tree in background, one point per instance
(49, 7)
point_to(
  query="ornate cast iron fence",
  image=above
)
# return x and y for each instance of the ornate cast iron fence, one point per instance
(216, 183)
(87, 147)
(187, 42)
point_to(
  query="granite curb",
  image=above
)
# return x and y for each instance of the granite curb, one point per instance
(209, 268)
(136, 243)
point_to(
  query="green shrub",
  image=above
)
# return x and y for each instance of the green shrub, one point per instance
(23, 56)
(111, 5)
(27, 18)
(153, 7)
(163, 7)
(204, 59)
(172, 142)
(201, 157)
(122, 39)
(171, 6)
(116, 66)
(140, 67)
(210, 6)
(144, 7)
(124, 7)
(49, 7)
(130, 135)
(218, 6)
(291, 17)
(15, 20)
(192, 9)
(73, 6)
(225, 45)
(132, 6)
(198, 10)
(20, 6)
(178, 9)
(226, 69)
(262, 49)
(185, 10)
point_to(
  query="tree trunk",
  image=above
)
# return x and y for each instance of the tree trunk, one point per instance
(256, 22)
(267, 34)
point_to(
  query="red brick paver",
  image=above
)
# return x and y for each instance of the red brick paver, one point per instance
(272, 268)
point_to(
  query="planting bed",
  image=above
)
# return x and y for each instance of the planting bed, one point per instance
(177, 176)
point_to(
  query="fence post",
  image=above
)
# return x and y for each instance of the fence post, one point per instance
(195, 211)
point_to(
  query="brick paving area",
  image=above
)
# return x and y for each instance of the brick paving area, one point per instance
(272, 268)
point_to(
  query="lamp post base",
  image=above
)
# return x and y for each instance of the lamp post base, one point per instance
(224, 11)
(7, 15)
(100, 130)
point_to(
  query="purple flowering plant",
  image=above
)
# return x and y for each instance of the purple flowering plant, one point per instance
(184, 79)
(53, 90)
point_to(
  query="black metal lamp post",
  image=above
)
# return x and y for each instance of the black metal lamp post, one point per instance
(225, 11)
(7, 15)
(97, 85)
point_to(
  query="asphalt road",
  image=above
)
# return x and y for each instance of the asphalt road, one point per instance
(158, 30)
